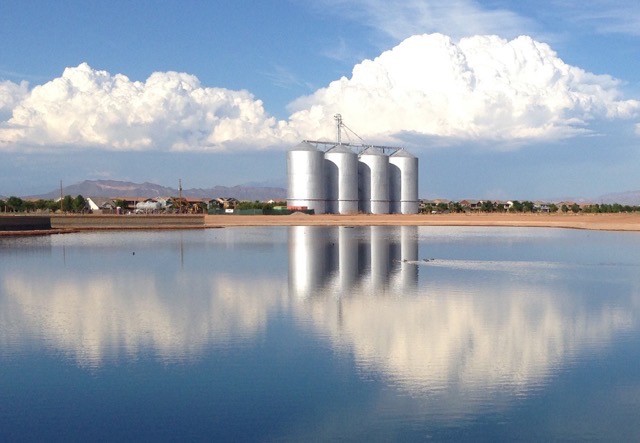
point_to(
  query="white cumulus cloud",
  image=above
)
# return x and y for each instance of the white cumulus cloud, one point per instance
(483, 87)
(169, 111)
(10, 95)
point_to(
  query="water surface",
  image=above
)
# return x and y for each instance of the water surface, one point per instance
(365, 333)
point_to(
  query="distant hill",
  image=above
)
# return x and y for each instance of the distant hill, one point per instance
(276, 183)
(250, 191)
(631, 198)
(114, 188)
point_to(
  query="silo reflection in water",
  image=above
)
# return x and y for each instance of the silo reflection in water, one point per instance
(307, 259)
(380, 258)
(343, 259)
(407, 276)
(348, 261)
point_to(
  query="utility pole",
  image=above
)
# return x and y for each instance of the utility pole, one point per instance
(61, 210)
(180, 191)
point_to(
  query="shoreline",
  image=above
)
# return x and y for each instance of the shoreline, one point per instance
(600, 222)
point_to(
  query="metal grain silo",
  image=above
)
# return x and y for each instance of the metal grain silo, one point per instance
(342, 180)
(373, 181)
(403, 183)
(306, 176)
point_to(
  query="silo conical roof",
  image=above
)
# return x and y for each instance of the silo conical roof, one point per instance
(304, 146)
(340, 149)
(402, 153)
(372, 151)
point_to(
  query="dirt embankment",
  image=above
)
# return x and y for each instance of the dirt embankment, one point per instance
(72, 223)
(138, 221)
(610, 222)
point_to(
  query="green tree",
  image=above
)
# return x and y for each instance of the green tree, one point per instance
(553, 208)
(41, 204)
(517, 206)
(594, 209)
(575, 208)
(255, 205)
(487, 206)
(527, 206)
(67, 203)
(28, 206)
(122, 204)
(15, 204)
(246, 205)
(564, 208)
(78, 204)
(53, 205)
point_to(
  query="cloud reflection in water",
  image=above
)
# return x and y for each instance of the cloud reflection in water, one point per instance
(103, 318)
(471, 334)
(426, 332)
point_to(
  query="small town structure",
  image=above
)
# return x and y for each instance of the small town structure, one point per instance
(101, 205)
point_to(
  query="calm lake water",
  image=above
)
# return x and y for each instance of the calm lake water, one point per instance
(310, 333)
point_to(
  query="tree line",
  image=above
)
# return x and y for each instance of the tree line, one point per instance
(260, 205)
(79, 204)
(67, 204)
(528, 206)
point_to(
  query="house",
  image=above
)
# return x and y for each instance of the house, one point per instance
(543, 207)
(129, 203)
(505, 205)
(223, 203)
(101, 205)
(473, 205)
(184, 205)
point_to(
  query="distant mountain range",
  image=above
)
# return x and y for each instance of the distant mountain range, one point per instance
(114, 188)
(624, 198)
(250, 191)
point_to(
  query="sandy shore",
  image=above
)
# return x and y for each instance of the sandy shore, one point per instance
(603, 222)
(606, 222)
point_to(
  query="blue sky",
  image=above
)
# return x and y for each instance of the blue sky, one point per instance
(498, 99)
